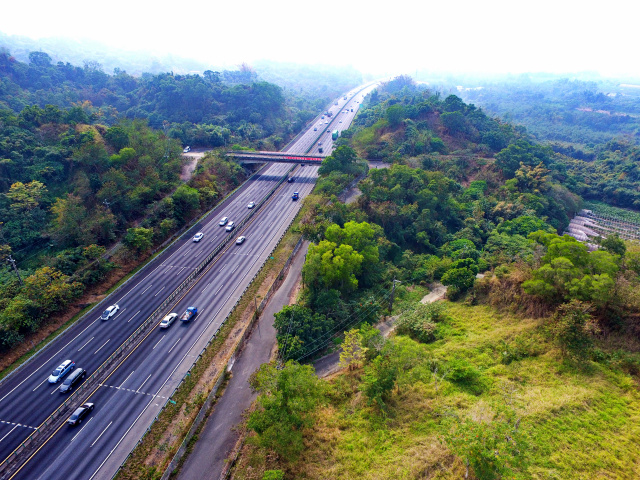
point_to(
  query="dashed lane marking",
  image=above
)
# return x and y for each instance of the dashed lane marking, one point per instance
(137, 392)
(17, 424)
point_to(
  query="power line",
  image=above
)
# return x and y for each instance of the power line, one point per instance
(326, 337)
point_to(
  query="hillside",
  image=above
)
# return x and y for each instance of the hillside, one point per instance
(529, 370)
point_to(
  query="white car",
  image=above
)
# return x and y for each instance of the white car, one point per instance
(168, 320)
(230, 226)
(198, 236)
(187, 149)
(251, 204)
(64, 368)
(110, 312)
(240, 240)
(223, 221)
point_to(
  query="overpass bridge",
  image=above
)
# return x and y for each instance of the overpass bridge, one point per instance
(245, 156)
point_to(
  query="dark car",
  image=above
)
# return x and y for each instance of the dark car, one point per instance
(80, 413)
(290, 179)
(75, 377)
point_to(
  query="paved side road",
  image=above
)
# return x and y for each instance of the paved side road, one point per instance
(217, 438)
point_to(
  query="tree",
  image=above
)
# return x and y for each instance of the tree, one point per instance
(378, 381)
(186, 200)
(299, 329)
(286, 401)
(68, 222)
(353, 353)
(330, 265)
(572, 327)
(343, 159)
(395, 114)
(139, 239)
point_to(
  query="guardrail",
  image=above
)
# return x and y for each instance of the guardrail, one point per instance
(215, 335)
(160, 250)
(89, 383)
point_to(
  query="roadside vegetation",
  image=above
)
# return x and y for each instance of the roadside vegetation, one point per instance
(90, 186)
(529, 372)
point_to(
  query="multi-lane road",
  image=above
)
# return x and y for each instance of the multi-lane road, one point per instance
(128, 400)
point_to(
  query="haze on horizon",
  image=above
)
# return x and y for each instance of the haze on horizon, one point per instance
(492, 37)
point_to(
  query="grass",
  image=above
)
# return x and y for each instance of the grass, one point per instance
(581, 421)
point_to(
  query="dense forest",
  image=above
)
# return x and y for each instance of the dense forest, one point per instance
(569, 112)
(89, 159)
(515, 376)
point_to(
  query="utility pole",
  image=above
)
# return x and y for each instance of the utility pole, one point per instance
(15, 269)
(393, 294)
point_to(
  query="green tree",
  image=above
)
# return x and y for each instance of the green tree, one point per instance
(287, 399)
(298, 330)
(139, 239)
(329, 265)
(573, 327)
(353, 353)
(378, 381)
(186, 201)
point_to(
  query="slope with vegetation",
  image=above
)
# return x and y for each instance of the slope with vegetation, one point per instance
(81, 170)
(531, 373)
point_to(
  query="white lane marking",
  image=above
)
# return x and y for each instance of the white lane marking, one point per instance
(205, 287)
(126, 379)
(185, 253)
(197, 254)
(48, 360)
(146, 289)
(235, 268)
(86, 344)
(222, 269)
(101, 347)
(167, 270)
(55, 390)
(180, 270)
(134, 316)
(174, 345)
(143, 383)
(94, 442)
(136, 420)
(80, 431)
(159, 291)
(121, 312)
(38, 385)
(8, 433)
(154, 347)
(219, 289)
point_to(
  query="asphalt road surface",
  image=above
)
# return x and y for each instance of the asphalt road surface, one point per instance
(130, 398)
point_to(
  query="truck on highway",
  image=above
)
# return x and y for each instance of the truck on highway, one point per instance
(335, 134)
(189, 314)
(295, 196)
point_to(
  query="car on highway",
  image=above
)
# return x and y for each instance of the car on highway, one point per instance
(168, 320)
(64, 368)
(295, 196)
(110, 312)
(340, 121)
(240, 240)
(230, 226)
(189, 314)
(75, 377)
(326, 123)
(251, 204)
(198, 236)
(315, 129)
(290, 179)
(223, 221)
(81, 412)
(187, 149)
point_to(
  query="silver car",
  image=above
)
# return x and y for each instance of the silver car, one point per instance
(168, 320)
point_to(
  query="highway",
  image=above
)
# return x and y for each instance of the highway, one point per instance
(129, 399)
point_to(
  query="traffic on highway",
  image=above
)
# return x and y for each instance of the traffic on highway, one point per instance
(125, 403)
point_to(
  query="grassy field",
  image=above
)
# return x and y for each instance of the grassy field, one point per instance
(579, 421)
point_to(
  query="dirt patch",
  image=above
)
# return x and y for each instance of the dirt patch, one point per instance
(188, 168)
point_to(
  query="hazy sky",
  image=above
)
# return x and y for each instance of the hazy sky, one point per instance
(395, 36)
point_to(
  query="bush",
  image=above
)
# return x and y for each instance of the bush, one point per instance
(420, 323)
